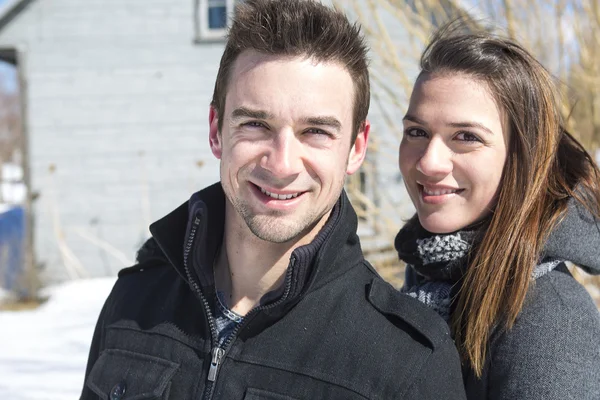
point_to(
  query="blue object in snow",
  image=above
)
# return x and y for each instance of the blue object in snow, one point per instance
(12, 235)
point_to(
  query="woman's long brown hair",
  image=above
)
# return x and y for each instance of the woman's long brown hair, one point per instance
(545, 166)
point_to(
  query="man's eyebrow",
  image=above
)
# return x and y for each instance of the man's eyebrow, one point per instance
(416, 120)
(243, 112)
(331, 122)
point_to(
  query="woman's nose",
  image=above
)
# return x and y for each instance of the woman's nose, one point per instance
(436, 161)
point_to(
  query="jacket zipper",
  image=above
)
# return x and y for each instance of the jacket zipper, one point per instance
(215, 359)
(218, 353)
(217, 356)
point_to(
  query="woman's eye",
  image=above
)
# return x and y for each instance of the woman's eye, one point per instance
(415, 132)
(467, 137)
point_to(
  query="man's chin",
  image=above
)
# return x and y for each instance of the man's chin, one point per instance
(275, 236)
(276, 230)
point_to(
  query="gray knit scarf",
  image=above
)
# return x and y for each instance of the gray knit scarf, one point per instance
(436, 263)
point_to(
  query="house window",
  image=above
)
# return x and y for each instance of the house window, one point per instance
(211, 18)
(217, 14)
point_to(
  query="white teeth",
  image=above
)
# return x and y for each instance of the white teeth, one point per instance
(279, 196)
(439, 192)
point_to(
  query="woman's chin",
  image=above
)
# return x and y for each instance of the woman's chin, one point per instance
(440, 225)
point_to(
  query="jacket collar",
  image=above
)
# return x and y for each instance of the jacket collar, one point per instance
(335, 250)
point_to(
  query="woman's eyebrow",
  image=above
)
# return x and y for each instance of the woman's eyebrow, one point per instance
(484, 128)
(414, 119)
(471, 125)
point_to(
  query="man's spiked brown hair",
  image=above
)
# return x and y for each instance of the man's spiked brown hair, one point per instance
(298, 28)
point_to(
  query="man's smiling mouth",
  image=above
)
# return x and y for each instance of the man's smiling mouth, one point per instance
(276, 196)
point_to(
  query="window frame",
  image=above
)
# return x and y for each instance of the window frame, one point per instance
(201, 23)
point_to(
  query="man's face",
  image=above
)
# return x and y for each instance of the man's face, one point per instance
(285, 143)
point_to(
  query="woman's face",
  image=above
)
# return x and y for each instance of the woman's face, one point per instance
(453, 151)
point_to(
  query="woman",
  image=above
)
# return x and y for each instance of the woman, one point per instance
(504, 195)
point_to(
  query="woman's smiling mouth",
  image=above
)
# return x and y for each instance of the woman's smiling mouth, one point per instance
(437, 194)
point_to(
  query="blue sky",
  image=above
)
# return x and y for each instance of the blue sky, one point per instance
(8, 73)
(8, 76)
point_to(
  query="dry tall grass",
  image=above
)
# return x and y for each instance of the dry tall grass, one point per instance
(563, 34)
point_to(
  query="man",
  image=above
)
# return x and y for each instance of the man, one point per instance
(256, 288)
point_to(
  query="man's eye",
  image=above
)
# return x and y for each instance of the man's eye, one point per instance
(317, 131)
(254, 124)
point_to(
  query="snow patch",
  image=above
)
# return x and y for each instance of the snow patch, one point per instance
(43, 352)
(4, 294)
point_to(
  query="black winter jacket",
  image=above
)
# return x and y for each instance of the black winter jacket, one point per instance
(341, 333)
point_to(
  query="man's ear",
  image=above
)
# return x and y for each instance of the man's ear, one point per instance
(214, 137)
(359, 149)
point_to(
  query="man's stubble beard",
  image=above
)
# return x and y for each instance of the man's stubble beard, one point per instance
(270, 228)
(275, 227)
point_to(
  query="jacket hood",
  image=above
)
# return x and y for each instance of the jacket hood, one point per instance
(576, 239)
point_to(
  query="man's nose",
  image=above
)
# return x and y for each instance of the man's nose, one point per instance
(436, 160)
(284, 157)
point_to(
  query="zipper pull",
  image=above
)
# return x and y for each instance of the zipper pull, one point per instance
(217, 355)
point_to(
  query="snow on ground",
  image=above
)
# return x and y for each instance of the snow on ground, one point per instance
(3, 293)
(43, 352)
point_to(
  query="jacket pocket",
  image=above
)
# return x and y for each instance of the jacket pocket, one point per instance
(259, 394)
(120, 374)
